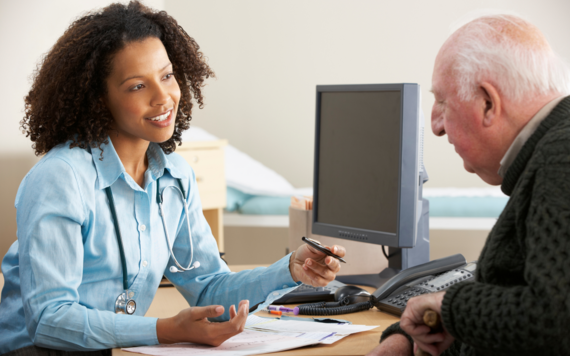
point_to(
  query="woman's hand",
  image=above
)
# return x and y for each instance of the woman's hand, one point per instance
(192, 325)
(413, 324)
(314, 267)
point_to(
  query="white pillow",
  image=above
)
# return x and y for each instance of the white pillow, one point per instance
(243, 172)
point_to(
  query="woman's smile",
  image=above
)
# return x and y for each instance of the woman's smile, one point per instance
(162, 120)
(160, 117)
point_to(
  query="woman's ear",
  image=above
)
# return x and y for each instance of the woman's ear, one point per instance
(491, 104)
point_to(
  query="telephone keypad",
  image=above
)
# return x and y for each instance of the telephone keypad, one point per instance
(397, 303)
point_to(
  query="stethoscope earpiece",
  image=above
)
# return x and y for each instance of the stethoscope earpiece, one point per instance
(173, 269)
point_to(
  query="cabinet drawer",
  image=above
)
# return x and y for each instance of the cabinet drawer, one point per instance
(208, 166)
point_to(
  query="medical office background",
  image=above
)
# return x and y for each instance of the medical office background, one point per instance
(268, 56)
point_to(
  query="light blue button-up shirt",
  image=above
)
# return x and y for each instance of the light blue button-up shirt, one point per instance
(63, 274)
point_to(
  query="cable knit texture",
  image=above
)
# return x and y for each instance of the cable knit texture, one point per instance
(520, 302)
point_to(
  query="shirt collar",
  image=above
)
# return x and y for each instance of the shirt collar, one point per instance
(110, 168)
(524, 135)
(158, 161)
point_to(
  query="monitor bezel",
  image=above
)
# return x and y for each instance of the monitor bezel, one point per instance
(408, 180)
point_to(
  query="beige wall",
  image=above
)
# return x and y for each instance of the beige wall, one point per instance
(28, 28)
(269, 55)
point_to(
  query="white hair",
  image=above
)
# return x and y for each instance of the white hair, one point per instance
(487, 50)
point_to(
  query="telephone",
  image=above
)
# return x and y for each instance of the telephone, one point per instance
(430, 277)
(392, 296)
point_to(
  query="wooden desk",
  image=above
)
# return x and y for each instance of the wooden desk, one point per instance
(168, 302)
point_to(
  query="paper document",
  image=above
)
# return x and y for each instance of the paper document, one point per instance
(325, 333)
(262, 335)
(246, 343)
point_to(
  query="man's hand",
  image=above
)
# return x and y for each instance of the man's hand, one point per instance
(314, 267)
(412, 323)
(192, 325)
(393, 345)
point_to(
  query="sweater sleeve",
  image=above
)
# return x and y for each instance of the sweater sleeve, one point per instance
(531, 317)
(395, 329)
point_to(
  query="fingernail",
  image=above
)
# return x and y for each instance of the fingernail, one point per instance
(305, 267)
(334, 249)
(219, 309)
(309, 262)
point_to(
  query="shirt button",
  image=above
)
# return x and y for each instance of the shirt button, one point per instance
(142, 227)
(145, 263)
(131, 294)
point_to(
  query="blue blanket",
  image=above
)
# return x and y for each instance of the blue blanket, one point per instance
(480, 207)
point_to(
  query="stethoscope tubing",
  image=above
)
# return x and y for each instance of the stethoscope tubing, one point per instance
(123, 304)
(119, 238)
(190, 267)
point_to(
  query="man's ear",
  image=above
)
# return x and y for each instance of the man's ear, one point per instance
(491, 103)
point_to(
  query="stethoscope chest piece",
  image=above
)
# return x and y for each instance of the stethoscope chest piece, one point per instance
(124, 305)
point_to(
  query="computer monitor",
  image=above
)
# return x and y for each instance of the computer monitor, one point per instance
(369, 172)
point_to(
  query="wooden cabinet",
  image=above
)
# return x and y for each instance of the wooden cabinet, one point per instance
(207, 160)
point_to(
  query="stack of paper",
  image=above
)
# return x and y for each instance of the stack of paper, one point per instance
(262, 335)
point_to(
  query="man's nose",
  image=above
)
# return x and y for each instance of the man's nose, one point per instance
(437, 122)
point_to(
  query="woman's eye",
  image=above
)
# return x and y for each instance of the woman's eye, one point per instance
(169, 75)
(137, 87)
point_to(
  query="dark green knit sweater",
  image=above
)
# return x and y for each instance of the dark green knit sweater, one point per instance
(520, 302)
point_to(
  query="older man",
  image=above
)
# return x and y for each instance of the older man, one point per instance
(500, 96)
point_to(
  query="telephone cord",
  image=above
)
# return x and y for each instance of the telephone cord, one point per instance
(333, 308)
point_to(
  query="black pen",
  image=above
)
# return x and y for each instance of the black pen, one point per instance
(321, 248)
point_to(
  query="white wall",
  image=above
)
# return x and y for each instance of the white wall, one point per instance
(269, 55)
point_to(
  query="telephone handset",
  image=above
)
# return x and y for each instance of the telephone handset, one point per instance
(392, 296)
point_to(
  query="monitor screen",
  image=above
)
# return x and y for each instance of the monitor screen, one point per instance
(358, 185)
(366, 163)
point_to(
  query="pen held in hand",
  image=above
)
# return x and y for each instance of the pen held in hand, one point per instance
(316, 245)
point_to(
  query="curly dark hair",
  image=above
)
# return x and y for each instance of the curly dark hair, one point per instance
(66, 101)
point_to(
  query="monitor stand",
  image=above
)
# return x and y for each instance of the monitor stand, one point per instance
(398, 258)
(372, 280)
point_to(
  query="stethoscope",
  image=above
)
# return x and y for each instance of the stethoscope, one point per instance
(125, 304)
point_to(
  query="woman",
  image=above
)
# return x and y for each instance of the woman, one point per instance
(107, 108)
